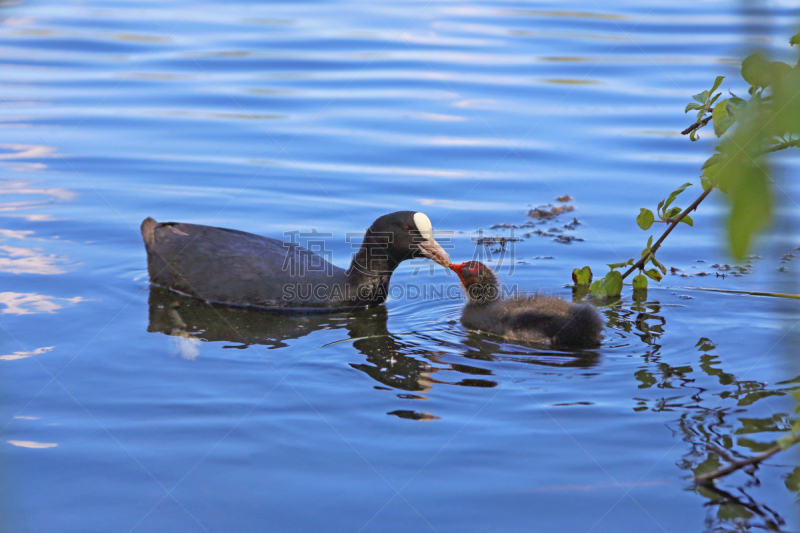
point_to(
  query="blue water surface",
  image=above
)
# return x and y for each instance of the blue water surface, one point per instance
(120, 413)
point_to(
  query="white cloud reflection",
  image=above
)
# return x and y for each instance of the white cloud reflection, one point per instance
(15, 260)
(25, 354)
(32, 444)
(28, 303)
(186, 346)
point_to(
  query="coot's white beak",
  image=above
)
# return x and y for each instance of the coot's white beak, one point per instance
(428, 245)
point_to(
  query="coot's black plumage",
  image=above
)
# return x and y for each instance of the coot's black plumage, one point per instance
(536, 318)
(233, 267)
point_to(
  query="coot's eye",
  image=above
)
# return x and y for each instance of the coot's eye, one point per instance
(405, 228)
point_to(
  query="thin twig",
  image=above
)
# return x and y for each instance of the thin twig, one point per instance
(676, 221)
(700, 124)
(738, 465)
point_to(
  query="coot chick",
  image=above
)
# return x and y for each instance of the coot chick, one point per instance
(236, 268)
(525, 318)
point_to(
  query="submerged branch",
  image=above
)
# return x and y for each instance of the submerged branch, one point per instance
(738, 465)
(675, 222)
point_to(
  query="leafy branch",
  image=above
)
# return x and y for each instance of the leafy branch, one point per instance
(749, 129)
(673, 223)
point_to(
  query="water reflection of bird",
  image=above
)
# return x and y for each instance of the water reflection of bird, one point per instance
(234, 267)
(535, 319)
(410, 364)
(389, 360)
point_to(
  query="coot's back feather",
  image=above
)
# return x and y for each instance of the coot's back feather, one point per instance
(234, 267)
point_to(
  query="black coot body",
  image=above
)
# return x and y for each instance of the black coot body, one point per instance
(236, 268)
(535, 319)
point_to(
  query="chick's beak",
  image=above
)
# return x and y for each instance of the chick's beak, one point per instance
(434, 251)
(457, 269)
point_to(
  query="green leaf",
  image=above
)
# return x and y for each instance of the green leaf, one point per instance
(784, 92)
(756, 70)
(745, 180)
(795, 39)
(706, 183)
(598, 288)
(612, 266)
(714, 99)
(795, 427)
(792, 481)
(653, 274)
(701, 97)
(717, 83)
(639, 282)
(693, 136)
(687, 220)
(722, 120)
(582, 276)
(613, 283)
(701, 114)
(657, 263)
(692, 106)
(645, 218)
(713, 160)
(650, 242)
(672, 213)
(750, 212)
(786, 441)
(674, 194)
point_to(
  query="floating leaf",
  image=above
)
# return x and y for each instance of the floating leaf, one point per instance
(598, 289)
(653, 274)
(582, 276)
(639, 282)
(645, 218)
(613, 283)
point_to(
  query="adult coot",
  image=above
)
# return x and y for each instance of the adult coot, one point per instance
(526, 318)
(237, 268)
